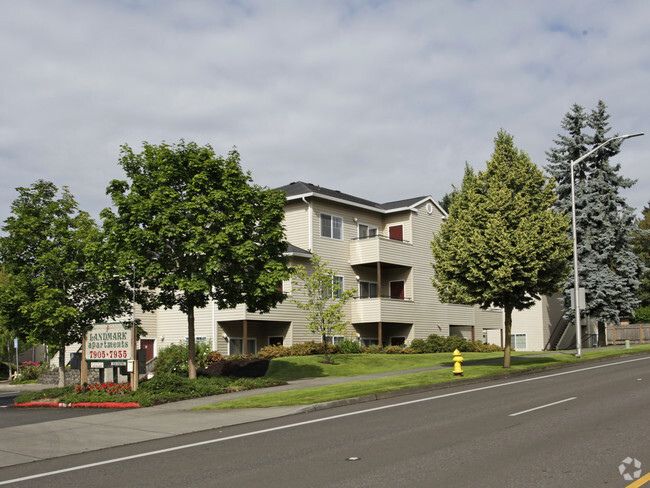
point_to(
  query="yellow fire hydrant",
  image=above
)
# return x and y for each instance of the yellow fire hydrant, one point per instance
(458, 370)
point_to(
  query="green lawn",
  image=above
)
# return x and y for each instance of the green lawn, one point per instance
(360, 364)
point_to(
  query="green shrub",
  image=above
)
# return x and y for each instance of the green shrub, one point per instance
(174, 358)
(272, 352)
(348, 346)
(421, 346)
(376, 349)
(642, 315)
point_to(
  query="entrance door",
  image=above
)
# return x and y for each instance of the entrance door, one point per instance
(148, 346)
(396, 232)
(397, 290)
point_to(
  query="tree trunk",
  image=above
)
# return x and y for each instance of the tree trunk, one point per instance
(508, 330)
(327, 359)
(61, 363)
(602, 334)
(191, 349)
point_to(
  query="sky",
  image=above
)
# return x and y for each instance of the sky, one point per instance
(381, 99)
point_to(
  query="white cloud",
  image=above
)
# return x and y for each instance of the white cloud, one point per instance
(384, 100)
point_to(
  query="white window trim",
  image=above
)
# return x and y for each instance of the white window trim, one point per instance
(330, 338)
(513, 340)
(332, 217)
(370, 227)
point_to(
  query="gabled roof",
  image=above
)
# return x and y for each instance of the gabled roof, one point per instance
(299, 190)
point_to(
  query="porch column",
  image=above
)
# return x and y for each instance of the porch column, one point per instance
(379, 333)
(473, 339)
(378, 279)
(245, 340)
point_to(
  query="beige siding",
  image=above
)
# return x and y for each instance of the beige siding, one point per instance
(420, 315)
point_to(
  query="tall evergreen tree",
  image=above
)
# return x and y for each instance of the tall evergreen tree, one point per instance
(642, 249)
(608, 269)
(503, 245)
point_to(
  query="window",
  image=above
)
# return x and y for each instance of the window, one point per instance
(367, 289)
(235, 346)
(335, 339)
(366, 231)
(331, 227)
(369, 342)
(336, 288)
(276, 341)
(197, 340)
(518, 341)
(396, 290)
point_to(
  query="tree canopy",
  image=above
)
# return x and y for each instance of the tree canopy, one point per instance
(56, 282)
(605, 225)
(502, 245)
(196, 229)
(641, 244)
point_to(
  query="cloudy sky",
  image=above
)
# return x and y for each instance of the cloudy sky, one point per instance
(383, 99)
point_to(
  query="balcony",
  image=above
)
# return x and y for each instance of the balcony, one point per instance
(381, 310)
(377, 249)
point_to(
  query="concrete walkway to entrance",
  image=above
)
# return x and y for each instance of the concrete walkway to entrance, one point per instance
(32, 442)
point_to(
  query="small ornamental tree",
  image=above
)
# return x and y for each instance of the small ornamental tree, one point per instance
(195, 229)
(325, 299)
(503, 245)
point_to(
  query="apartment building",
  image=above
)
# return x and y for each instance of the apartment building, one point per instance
(381, 251)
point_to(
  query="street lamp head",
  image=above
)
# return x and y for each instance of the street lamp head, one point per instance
(637, 134)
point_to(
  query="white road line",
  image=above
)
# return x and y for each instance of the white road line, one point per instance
(541, 406)
(308, 422)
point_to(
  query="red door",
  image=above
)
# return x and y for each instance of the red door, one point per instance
(396, 232)
(147, 345)
(397, 290)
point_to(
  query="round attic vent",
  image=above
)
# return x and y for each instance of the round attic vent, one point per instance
(429, 208)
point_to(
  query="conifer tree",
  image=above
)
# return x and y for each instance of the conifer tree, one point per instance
(608, 268)
(502, 245)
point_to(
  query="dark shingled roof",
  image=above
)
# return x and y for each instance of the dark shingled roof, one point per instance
(300, 188)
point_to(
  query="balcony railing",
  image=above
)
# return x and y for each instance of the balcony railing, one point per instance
(382, 310)
(379, 248)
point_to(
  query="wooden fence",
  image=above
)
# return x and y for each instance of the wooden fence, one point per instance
(635, 333)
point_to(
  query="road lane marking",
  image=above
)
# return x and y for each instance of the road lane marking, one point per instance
(640, 482)
(308, 422)
(541, 406)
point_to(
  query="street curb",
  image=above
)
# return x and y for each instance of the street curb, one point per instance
(79, 405)
(454, 382)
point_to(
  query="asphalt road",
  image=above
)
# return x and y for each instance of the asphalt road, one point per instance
(562, 428)
(11, 416)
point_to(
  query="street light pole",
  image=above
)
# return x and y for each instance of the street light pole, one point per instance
(576, 285)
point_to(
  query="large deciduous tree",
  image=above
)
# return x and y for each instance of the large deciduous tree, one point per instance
(57, 281)
(605, 225)
(502, 245)
(195, 228)
(324, 299)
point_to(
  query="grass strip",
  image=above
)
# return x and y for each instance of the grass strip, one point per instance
(309, 396)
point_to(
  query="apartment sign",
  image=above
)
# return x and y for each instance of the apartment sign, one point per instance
(108, 342)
